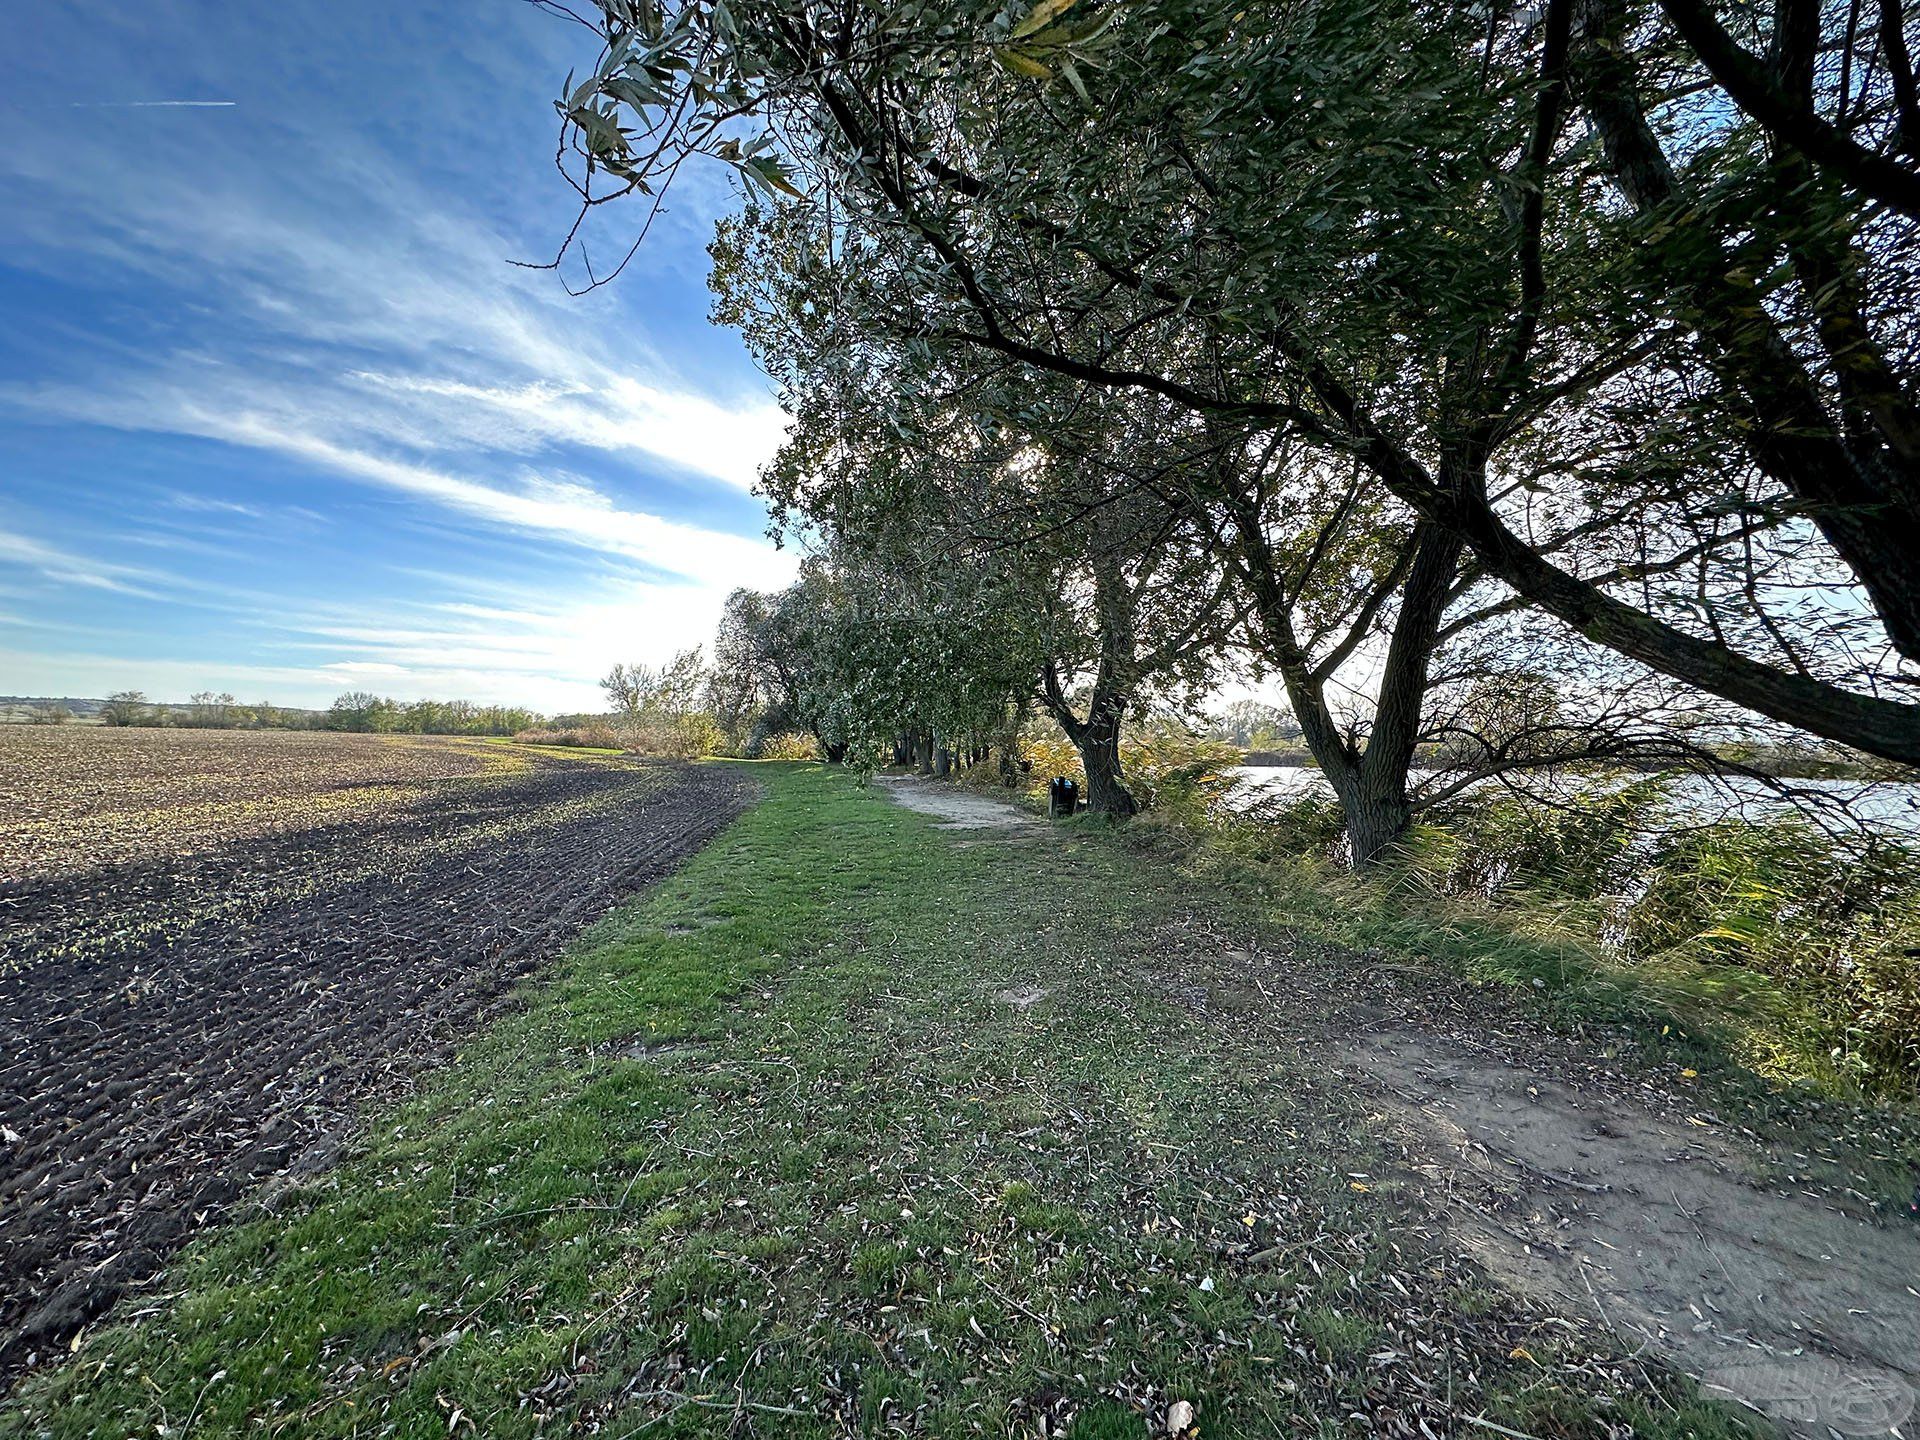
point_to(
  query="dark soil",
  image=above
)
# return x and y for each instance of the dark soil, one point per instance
(177, 1027)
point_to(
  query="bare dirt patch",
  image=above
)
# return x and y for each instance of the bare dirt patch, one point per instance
(1663, 1233)
(958, 809)
(1609, 1194)
(188, 1011)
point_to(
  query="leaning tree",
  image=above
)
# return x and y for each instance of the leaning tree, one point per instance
(1385, 229)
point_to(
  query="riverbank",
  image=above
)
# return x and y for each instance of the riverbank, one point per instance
(870, 1122)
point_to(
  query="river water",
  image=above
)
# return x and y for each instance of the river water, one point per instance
(1889, 807)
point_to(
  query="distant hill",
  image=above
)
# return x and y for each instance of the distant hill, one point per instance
(16, 709)
(84, 710)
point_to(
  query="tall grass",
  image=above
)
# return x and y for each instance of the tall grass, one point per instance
(1166, 767)
(1802, 949)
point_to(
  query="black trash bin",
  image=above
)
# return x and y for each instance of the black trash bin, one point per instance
(1063, 796)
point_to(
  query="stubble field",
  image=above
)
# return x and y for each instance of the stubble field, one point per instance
(215, 945)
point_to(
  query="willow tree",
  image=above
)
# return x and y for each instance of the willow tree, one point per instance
(1382, 226)
(1152, 540)
(1023, 495)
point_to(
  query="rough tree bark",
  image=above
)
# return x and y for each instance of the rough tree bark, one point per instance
(1097, 737)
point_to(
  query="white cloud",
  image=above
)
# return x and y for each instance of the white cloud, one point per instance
(723, 442)
(356, 312)
(567, 509)
(206, 504)
(472, 353)
(474, 639)
(66, 568)
(362, 669)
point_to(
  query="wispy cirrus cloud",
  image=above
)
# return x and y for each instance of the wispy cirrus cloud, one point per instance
(65, 567)
(473, 352)
(559, 507)
(315, 314)
(614, 412)
(152, 104)
(554, 505)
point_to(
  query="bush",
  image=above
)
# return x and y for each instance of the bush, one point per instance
(1164, 766)
(1486, 843)
(588, 737)
(1843, 931)
(686, 735)
(1805, 951)
(1049, 757)
(1169, 768)
(792, 745)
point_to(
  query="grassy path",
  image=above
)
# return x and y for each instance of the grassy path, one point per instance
(854, 1126)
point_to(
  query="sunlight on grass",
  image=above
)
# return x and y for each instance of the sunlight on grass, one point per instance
(767, 1153)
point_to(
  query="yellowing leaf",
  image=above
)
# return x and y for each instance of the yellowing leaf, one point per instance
(1022, 65)
(1044, 14)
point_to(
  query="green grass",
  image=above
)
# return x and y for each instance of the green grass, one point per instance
(765, 1154)
(1761, 1048)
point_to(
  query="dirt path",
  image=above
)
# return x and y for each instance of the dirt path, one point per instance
(1583, 1188)
(957, 809)
(1664, 1232)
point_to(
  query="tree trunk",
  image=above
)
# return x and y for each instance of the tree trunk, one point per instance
(1370, 783)
(923, 752)
(1377, 818)
(1010, 745)
(942, 762)
(903, 749)
(837, 753)
(1107, 794)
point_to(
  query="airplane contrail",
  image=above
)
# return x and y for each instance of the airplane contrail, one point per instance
(154, 104)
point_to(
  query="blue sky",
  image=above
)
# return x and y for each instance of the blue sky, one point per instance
(278, 416)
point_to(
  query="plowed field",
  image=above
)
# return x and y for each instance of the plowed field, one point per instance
(215, 946)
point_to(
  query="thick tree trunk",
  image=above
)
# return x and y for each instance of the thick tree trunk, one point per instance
(1377, 820)
(942, 762)
(903, 749)
(1107, 793)
(923, 752)
(1370, 783)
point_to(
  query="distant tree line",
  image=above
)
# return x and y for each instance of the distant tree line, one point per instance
(356, 711)
(360, 711)
(205, 710)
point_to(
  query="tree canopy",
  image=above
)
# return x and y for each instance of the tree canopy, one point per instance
(1428, 343)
